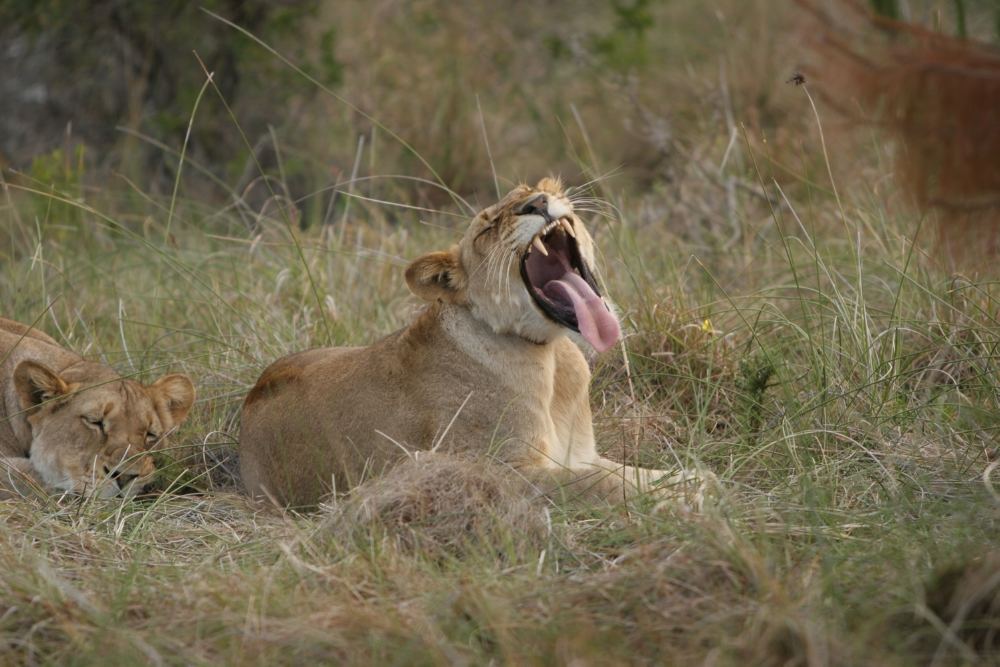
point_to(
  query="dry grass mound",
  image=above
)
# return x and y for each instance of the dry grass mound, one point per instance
(443, 505)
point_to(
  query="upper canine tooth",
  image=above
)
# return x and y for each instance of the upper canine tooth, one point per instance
(568, 226)
(540, 246)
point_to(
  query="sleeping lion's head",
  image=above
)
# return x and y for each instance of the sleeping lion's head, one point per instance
(91, 431)
(525, 267)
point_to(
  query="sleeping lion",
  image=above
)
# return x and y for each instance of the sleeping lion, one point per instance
(67, 424)
(486, 367)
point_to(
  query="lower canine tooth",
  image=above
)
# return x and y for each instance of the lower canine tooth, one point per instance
(540, 246)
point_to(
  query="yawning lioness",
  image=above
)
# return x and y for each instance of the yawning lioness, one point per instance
(487, 366)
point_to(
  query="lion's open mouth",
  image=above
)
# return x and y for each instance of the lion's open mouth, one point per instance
(563, 287)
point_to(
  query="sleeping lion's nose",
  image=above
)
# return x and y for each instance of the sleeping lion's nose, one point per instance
(536, 206)
(119, 477)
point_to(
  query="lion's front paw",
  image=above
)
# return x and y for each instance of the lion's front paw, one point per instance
(684, 488)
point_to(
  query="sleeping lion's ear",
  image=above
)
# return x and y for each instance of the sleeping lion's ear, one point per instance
(437, 276)
(172, 395)
(36, 384)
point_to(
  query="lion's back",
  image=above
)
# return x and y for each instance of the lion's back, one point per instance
(281, 428)
(11, 332)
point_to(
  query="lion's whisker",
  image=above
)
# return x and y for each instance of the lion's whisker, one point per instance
(594, 181)
(487, 261)
(508, 266)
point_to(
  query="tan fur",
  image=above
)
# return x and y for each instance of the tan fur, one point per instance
(49, 401)
(480, 370)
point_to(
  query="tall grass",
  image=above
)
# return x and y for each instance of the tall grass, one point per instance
(812, 352)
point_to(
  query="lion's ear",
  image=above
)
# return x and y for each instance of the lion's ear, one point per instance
(437, 276)
(173, 396)
(35, 384)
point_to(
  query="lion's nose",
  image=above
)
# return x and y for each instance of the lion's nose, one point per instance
(120, 477)
(536, 206)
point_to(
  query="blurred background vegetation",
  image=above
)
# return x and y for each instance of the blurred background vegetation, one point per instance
(122, 79)
(111, 87)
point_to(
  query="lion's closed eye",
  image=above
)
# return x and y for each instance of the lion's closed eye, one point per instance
(491, 227)
(96, 423)
(483, 234)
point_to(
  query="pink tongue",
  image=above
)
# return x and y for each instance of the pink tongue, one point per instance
(596, 322)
